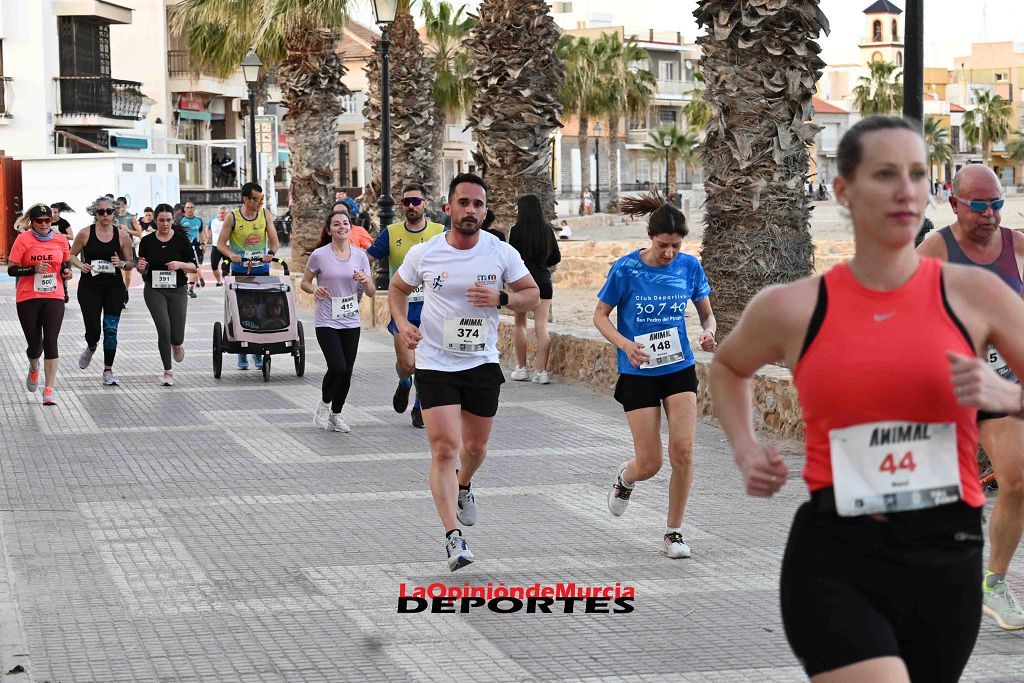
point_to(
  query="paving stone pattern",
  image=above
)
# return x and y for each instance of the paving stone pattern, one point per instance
(208, 532)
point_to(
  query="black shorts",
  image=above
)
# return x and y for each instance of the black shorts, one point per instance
(854, 588)
(648, 391)
(200, 251)
(476, 389)
(546, 291)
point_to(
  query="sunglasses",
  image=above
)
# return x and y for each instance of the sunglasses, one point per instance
(104, 212)
(412, 201)
(42, 221)
(979, 206)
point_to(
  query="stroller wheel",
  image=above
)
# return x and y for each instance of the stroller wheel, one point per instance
(266, 368)
(299, 353)
(218, 358)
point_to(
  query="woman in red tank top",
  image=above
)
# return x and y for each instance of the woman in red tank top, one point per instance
(880, 576)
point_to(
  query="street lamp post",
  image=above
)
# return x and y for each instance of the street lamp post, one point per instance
(385, 12)
(913, 65)
(667, 142)
(597, 167)
(251, 66)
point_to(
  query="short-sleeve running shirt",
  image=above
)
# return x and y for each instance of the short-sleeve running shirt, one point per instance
(159, 253)
(336, 275)
(193, 225)
(29, 250)
(446, 273)
(653, 299)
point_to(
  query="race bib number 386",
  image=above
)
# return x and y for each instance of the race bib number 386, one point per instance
(894, 466)
(465, 335)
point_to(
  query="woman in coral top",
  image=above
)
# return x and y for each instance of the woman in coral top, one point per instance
(880, 576)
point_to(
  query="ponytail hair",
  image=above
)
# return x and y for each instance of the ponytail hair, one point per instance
(664, 217)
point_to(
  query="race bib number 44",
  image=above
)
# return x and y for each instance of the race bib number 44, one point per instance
(465, 335)
(894, 466)
(663, 347)
(164, 279)
(343, 306)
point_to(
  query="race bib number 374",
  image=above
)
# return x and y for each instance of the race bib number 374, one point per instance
(894, 467)
(465, 335)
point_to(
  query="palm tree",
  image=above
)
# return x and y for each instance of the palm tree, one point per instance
(988, 123)
(580, 95)
(299, 37)
(936, 137)
(760, 63)
(516, 109)
(697, 111)
(1015, 147)
(681, 146)
(880, 92)
(453, 91)
(626, 91)
(412, 108)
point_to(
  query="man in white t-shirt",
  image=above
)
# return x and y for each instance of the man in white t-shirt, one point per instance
(457, 373)
(213, 236)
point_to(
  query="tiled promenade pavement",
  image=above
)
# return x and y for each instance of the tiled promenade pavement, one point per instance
(208, 532)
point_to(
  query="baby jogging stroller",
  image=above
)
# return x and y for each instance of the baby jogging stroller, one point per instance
(259, 319)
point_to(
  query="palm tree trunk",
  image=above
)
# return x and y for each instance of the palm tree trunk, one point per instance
(673, 183)
(613, 163)
(437, 136)
(986, 151)
(581, 142)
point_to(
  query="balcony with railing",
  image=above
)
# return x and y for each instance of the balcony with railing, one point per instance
(183, 76)
(5, 112)
(674, 88)
(352, 106)
(638, 136)
(98, 101)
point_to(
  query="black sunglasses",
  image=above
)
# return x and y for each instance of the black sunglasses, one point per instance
(104, 212)
(412, 201)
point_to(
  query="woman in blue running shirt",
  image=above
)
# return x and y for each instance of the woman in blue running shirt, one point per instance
(651, 288)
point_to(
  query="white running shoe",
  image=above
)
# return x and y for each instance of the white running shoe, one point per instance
(179, 353)
(167, 380)
(321, 415)
(467, 511)
(542, 378)
(618, 496)
(337, 424)
(521, 375)
(675, 547)
(108, 378)
(459, 554)
(1000, 604)
(86, 357)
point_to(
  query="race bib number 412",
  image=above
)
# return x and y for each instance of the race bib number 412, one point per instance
(894, 467)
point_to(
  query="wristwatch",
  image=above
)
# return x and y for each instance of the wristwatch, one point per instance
(502, 298)
(271, 252)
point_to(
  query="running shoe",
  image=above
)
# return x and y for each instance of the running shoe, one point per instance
(179, 353)
(243, 363)
(49, 396)
(521, 375)
(108, 378)
(321, 415)
(220, 284)
(167, 380)
(417, 417)
(257, 362)
(337, 424)
(467, 512)
(618, 497)
(191, 293)
(202, 282)
(32, 380)
(459, 554)
(86, 357)
(400, 401)
(1000, 603)
(542, 378)
(674, 546)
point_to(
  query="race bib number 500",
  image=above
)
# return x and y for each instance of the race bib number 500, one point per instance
(894, 466)
(465, 335)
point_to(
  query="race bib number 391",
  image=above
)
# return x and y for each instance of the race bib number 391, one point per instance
(465, 335)
(164, 279)
(894, 467)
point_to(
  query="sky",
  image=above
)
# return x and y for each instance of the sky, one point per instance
(950, 26)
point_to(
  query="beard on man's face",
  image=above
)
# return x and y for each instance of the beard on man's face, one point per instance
(468, 226)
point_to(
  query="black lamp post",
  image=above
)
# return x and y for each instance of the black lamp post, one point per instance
(384, 12)
(597, 167)
(667, 142)
(913, 64)
(251, 66)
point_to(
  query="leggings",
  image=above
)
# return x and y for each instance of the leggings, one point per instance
(101, 306)
(215, 258)
(168, 308)
(339, 347)
(41, 320)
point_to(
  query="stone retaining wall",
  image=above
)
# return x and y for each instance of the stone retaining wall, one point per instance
(583, 357)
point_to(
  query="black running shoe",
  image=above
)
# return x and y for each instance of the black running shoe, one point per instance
(401, 399)
(417, 417)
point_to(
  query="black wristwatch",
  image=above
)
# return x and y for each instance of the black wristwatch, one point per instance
(502, 298)
(271, 252)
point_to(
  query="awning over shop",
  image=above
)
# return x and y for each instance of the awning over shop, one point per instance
(194, 115)
(128, 143)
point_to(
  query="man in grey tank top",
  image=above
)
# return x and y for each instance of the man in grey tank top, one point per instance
(977, 239)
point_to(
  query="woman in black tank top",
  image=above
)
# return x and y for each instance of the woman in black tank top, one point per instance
(102, 252)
